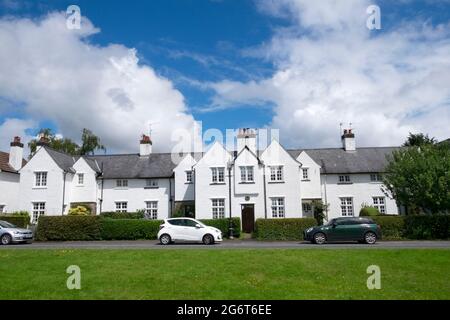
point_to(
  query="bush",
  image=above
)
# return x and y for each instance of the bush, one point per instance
(129, 229)
(79, 211)
(21, 213)
(282, 229)
(20, 221)
(224, 225)
(123, 215)
(427, 227)
(69, 228)
(392, 227)
(369, 212)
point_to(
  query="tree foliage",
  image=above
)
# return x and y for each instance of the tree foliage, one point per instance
(418, 139)
(419, 176)
(90, 143)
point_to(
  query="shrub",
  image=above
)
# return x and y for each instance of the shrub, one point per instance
(21, 213)
(282, 229)
(392, 227)
(369, 212)
(129, 229)
(427, 227)
(67, 228)
(17, 220)
(224, 225)
(79, 211)
(123, 215)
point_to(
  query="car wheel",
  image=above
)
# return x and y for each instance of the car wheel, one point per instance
(165, 239)
(208, 239)
(6, 239)
(319, 238)
(370, 238)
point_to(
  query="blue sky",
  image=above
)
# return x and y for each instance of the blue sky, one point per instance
(221, 54)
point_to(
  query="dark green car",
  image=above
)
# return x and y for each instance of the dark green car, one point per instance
(345, 229)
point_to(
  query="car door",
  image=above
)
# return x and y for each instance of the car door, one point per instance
(193, 233)
(177, 229)
(344, 230)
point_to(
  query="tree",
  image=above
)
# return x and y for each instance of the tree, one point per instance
(418, 139)
(90, 143)
(419, 177)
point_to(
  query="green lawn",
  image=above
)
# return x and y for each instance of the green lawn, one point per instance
(225, 274)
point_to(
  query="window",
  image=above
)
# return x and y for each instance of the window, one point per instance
(80, 179)
(246, 174)
(346, 206)
(2, 208)
(277, 207)
(40, 179)
(121, 183)
(151, 183)
(276, 173)
(189, 176)
(217, 175)
(307, 209)
(151, 209)
(121, 206)
(305, 174)
(344, 179)
(38, 210)
(218, 208)
(379, 203)
(376, 177)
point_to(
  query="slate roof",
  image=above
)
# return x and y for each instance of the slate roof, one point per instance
(63, 160)
(4, 163)
(337, 160)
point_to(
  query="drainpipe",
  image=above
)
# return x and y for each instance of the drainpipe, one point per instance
(265, 191)
(170, 197)
(230, 225)
(101, 191)
(64, 191)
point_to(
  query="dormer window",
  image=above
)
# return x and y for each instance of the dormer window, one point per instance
(80, 179)
(151, 183)
(276, 174)
(376, 177)
(305, 173)
(218, 175)
(122, 183)
(246, 174)
(189, 176)
(344, 179)
(40, 179)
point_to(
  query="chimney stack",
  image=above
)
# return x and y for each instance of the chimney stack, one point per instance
(246, 137)
(145, 148)
(16, 154)
(348, 140)
(43, 141)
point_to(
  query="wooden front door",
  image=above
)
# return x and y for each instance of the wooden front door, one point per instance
(248, 218)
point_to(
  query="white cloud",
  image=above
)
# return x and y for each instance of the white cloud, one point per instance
(58, 75)
(14, 127)
(332, 69)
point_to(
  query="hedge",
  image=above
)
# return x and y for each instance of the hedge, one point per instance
(129, 229)
(282, 229)
(224, 225)
(427, 227)
(69, 228)
(392, 227)
(19, 221)
(123, 215)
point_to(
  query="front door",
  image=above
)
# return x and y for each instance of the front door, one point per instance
(248, 218)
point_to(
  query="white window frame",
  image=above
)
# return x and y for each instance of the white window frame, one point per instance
(151, 183)
(247, 174)
(380, 204)
(305, 174)
(189, 176)
(344, 178)
(40, 179)
(276, 173)
(151, 209)
(218, 208)
(278, 207)
(376, 177)
(80, 179)
(121, 206)
(346, 204)
(217, 174)
(121, 183)
(38, 210)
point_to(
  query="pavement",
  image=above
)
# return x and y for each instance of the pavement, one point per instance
(227, 244)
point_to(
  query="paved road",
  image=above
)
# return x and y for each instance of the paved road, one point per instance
(228, 244)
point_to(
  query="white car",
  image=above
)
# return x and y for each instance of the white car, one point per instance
(187, 229)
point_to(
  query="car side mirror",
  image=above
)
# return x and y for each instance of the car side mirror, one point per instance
(198, 226)
(334, 225)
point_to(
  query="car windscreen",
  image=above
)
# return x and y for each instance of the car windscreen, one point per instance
(5, 224)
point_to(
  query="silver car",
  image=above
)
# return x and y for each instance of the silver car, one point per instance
(9, 233)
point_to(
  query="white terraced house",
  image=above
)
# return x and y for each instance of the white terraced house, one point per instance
(246, 183)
